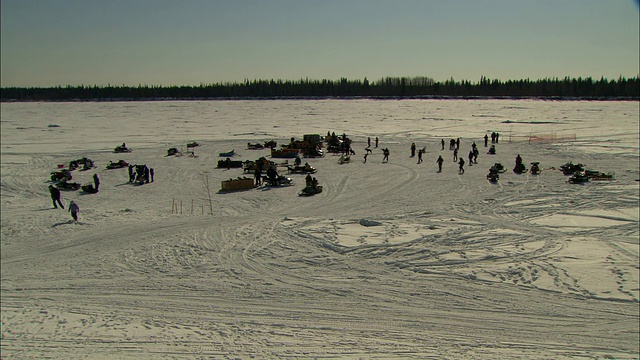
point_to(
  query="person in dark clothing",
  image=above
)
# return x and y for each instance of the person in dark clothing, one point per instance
(442, 143)
(368, 142)
(470, 157)
(146, 174)
(257, 176)
(455, 154)
(486, 140)
(152, 173)
(131, 173)
(458, 143)
(413, 149)
(74, 209)
(376, 142)
(55, 196)
(440, 161)
(272, 174)
(475, 155)
(385, 152)
(420, 152)
(461, 168)
(96, 181)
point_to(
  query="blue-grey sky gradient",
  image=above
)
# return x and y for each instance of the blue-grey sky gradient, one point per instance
(189, 42)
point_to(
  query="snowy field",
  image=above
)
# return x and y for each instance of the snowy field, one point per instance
(391, 261)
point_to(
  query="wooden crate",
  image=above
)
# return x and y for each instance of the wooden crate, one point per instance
(237, 184)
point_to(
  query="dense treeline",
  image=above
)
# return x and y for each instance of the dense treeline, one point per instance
(393, 87)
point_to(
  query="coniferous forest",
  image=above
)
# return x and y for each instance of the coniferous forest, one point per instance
(389, 87)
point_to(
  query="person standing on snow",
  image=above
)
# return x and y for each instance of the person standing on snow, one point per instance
(55, 196)
(74, 209)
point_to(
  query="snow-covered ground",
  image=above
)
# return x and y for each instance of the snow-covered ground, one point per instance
(391, 260)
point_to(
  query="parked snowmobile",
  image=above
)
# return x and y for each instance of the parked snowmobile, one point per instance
(535, 168)
(64, 175)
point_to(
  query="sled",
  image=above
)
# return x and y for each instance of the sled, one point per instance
(117, 165)
(227, 154)
(228, 164)
(310, 191)
(237, 184)
(256, 146)
(597, 175)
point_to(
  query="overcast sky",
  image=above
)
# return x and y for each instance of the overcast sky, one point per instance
(189, 42)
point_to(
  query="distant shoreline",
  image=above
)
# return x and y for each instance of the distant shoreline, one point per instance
(271, 98)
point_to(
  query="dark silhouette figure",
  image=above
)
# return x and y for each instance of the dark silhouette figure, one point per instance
(470, 157)
(131, 173)
(486, 140)
(461, 168)
(442, 143)
(455, 154)
(420, 152)
(152, 173)
(74, 209)
(257, 176)
(368, 142)
(413, 149)
(385, 152)
(55, 196)
(439, 162)
(96, 181)
(376, 142)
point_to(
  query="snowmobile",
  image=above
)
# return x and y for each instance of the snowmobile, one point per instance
(192, 144)
(64, 185)
(499, 168)
(492, 150)
(571, 168)
(535, 168)
(88, 188)
(579, 177)
(310, 190)
(493, 176)
(519, 168)
(301, 169)
(117, 165)
(64, 175)
(121, 149)
(172, 151)
(280, 180)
